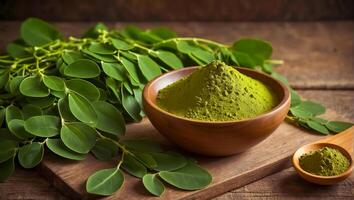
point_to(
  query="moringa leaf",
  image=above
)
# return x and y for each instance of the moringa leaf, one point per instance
(142, 145)
(131, 69)
(33, 87)
(338, 126)
(114, 70)
(54, 83)
(30, 110)
(121, 45)
(36, 32)
(100, 48)
(58, 147)
(72, 56)
(131, 106)
(78, 137)
(190, 177)
(317, 127)
(253, 47)
(105, 182)
(169, 59)
(312, 107)
(105, 149)
(43, 125)
(17, 127)
(82, 109)
(84, 88)
(153, 184)
(82, 68)
(7, 168)
(133, 166)
(168, 162)
(64, 110)
(12, 112)
(30, 155)
(8, 149)
(109, 119)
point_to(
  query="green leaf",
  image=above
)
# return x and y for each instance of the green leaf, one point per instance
(36, 32)
(64, 110)
(168, 162)
(17, 127)
(100, 57)
(4, 78)
(148, 67)
(6, 169)
(133, 166)
(100, 48)
(337, 126)
(105, 182)
(30, 110)
(33, 87)
(14, 84)
(317, 127)
(163, 33)
(17, 50)
(84, 88)
(8, 149)
(12, 112)
(59, 148)
(82, 68)
(295, 98)
(146, 159)
(131, 106)
(190, 177)
(82, 109)
(202, 55)
(44, 102)
(109, 119)
(313, 107)
(280, 77)
(299, 112)
(255, 48)
(121, 45)
(105, 149)
(142, 145)
(185, 47)
(30, 155)
(153, 184)
(114, 70)
(78, 137)
(94, 31)
(58, 94)
(54, 83)
(72, 56)
(43, 126)
(131, 69)
(169, 59)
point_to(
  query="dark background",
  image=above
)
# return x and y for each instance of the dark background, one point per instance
(178, 10)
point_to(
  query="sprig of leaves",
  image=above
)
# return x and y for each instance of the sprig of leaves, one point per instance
(75, 95)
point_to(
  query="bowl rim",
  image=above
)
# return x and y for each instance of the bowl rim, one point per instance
(280, 105)
(296, 162)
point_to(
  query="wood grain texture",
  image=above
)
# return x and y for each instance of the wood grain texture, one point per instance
(287, 185)
(181, 10)
(317, 55)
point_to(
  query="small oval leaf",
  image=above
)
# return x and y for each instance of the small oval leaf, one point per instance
(78, 137)
(30, 155)
(148, 67)
(82, 68)
(84, 88)
(105, 182)
(43, 125)
(33, 87)
(153, 184)
(54, 83)
(82, 109)
(59, 148)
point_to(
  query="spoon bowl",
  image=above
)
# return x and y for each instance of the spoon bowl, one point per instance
(324, 180)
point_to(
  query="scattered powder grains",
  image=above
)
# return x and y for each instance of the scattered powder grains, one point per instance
(324, 162)
(217, 92)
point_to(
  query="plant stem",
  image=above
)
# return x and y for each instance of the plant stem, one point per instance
(191, 39)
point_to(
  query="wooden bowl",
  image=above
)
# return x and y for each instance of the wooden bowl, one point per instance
(321, 180)
(220, 138)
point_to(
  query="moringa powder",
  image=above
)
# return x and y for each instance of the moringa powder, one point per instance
(217, 92)
(324, 162)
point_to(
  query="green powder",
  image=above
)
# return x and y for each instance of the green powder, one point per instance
(324, 162)
(217, 92)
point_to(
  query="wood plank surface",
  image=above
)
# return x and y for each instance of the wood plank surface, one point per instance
(317, 55)
(28, 184)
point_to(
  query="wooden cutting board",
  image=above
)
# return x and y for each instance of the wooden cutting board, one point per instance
(270, 156)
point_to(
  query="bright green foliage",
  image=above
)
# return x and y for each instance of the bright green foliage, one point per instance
(153, 184)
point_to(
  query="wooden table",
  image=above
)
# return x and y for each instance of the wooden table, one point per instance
(318, 63)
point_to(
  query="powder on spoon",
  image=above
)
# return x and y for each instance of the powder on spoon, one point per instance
(324, 162)
(217, 92)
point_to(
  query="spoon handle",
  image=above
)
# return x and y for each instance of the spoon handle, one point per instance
(344, 139)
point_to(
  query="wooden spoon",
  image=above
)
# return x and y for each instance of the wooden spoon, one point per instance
(342, 141)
